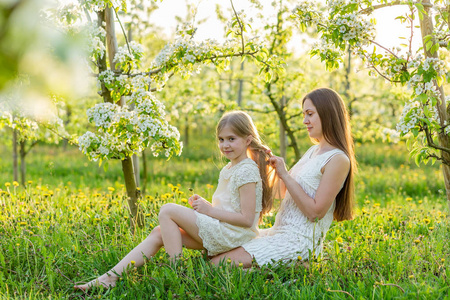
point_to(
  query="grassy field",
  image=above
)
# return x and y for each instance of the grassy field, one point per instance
(69, 223)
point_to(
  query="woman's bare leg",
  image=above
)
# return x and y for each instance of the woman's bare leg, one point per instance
(172, 217)
(237, 255)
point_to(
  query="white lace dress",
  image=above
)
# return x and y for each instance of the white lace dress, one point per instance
(292, 234)
(218, 236)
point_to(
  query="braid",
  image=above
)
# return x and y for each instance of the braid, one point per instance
(261, 154)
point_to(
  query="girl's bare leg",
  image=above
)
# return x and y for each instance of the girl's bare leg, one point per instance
(147, 248)
(172, 217)
(237, 255)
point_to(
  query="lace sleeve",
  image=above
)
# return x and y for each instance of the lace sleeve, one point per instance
(246, 173)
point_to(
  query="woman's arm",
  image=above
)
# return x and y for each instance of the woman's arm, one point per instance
(334, 174)
(245, 218)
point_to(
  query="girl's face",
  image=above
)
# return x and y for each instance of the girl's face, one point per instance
(232, 146)
(312, 120)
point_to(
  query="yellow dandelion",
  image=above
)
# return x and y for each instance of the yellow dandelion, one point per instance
(111, 189)
(367, 201)
(30, 181)
(408, 199)
(420, 201)
(339, 240)
(148, 215)
(22, 223)
(184, 200)
(376, 204)
(299, 257)
(125, 217)
(426, 221)
(229, 260)
(7, 184)
(133, 262)
(209, 186)
(411, 276)
(15, 183)
(241, 264)
(417, 241)
(17, 244)
(368, 237)
(364, 211)
(442, 260)
(431, 228)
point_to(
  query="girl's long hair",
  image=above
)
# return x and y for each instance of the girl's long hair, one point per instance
(242, 125)
(336, 131)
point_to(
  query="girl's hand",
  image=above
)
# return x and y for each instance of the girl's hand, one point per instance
(279, 165)
(200, 205)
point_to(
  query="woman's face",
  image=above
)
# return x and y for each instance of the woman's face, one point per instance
(312, 120)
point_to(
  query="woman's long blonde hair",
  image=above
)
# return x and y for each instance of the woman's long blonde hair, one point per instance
(336, 131)
(242, 125)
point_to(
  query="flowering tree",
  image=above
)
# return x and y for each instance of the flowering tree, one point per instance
(26, 133)
(424, 120)
(131, 118)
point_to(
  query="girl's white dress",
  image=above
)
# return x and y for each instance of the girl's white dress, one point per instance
(292, 234)
(218, 236)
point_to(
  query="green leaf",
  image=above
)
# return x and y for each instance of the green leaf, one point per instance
(105, 166)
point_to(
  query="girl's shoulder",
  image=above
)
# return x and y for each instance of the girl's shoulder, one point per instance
(246, 166)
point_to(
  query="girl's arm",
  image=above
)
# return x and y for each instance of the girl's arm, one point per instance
(334, 174)
(245, 218)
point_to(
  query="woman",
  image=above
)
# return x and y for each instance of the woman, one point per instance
(319, 188)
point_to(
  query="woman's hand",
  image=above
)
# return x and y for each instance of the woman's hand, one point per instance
(199, 204)
(279, 165)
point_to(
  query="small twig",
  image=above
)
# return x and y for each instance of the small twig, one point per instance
(339, 291)
(385, 49)
(123, 31)
(390, 284)
(240, 26)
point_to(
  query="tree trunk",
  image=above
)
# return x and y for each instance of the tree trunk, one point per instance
(186, 131)
(22, 162)
(283, 137)
(132, 193)
(144, 172)
(426, 28)
(137, 175)
(15, 165)
(241, 86)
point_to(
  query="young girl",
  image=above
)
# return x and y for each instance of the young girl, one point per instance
(243, 194)
(319, 187)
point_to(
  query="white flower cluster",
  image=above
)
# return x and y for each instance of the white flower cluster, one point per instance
(184, 52)
(409, 117)
(126, 60)
(355, 27)
(123, 132)
(435, 63)
(96, 5)
(306, 12)
(93, 38)
(388, 134)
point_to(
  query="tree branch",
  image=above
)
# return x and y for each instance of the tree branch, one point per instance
(369, 10)
(430, 140)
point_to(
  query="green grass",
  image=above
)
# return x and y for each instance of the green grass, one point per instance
(71, 224)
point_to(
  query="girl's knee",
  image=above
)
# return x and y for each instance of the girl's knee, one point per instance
(166, 210)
